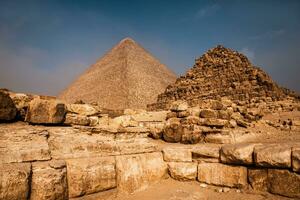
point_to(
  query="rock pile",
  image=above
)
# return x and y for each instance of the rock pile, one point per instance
(222, 72)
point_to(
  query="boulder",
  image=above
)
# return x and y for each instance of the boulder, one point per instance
(156, 130)
(223, 175)
(180, 105)
(237, 154)
(137, 172)
(23, 143)
(75, 119)
(273, 155)
(212, 122)
(296, 159)
(45, 111)
(208, 113)
(90, 175)
(173, 130)
(14, 181)
(284, 182)
(8, 109)
(82, 109)
(191, 134)
(183, 171)
(179, 154)
(21, 102)
(258, 179)
(49, 181)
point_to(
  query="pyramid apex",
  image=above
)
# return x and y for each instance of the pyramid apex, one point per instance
(127, 40)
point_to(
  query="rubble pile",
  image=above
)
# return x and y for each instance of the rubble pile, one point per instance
(222, 72)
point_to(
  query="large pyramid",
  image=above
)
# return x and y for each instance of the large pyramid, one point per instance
(126, 77)
(221, 72)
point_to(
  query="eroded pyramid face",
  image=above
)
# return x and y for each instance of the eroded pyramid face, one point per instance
(221, 72)
(126, 77)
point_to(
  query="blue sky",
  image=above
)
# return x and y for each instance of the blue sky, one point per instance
(44, 44)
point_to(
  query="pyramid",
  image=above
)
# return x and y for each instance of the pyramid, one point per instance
(221, 72)
(126, 77)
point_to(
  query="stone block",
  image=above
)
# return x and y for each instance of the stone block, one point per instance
(183, 171)
(179, 154)
(178, 106)
(208, 113)
(14, 181)
(75, 119)
(8, 109)
(137, 172)
(49, 181)
(173, 130)
(82, 109)
(296, 159)
(43, 111)
(205, 151)
(159, 116)
(284, 182)
(273, 155)
(223, 175)
(90, 175)
(258, 179)
(237, 153)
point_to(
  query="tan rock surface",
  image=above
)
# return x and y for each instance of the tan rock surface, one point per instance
(183, 171)
(21, 143)
(224, 175)
(49, 181)
(82, 109)
(14, 181)
(258, 179)
(296, 159)
(137, 172)
(173, 154)
(91, 175)
(8, 109)
(44, 111)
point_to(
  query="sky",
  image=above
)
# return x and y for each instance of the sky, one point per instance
(46, 44)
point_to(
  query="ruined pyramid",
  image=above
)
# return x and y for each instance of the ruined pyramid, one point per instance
(126, 77)
(221, 72)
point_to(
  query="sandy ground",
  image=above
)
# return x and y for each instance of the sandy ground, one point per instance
(175, 190)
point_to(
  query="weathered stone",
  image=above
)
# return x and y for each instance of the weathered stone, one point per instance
(94, 120)
(14, 181)
(21, 102)
(191, 134)
(21, 143)
(258, 179)
(296, 159)
(156, 130)
(90, 175)
(214, 122)
(42, 111)
(136, 172)
(74, 119)
(273, 155)
(190, 120)
(8, 109)
(159, 116)
(82, 109)
(224, 114)
(284, 182)
(49, 181)
(179, 106)
(173, 130)
(205, 151)
(224, 175)
(68, 142)
(208, 113)
(182, 114)
(219, 138)
(171, 115)
(177, 154)
(183, 171)
(237, 154)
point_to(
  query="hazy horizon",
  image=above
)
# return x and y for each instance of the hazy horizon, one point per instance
(44, 45)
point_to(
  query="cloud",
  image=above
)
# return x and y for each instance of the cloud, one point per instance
(249, 53)
(207, 11)
(269, 34)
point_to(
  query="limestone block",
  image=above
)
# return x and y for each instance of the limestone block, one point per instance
(82, 109)
(75, 119)
(156, 130)
(49, 181)
(296, 159)
(136, 172)
(284, 182)
(159, 116)
(90, 175)
(206, 153)
(21, 143)
(179, 105)
(258, 179)
(14, 181)
(208, 113)
(273, 155)
(179, 154)
(8, 109)
(43, 111)
(183, 171)
(173, 130)
(237, 153)
(223, 175)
